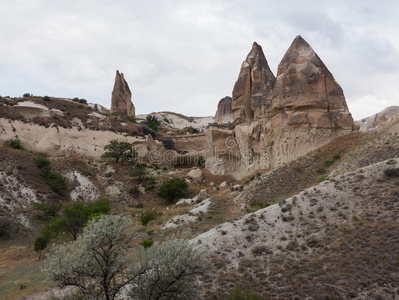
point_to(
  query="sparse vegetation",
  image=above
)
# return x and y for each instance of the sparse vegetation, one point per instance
(240, 294)
(47, 98)
(5, 228)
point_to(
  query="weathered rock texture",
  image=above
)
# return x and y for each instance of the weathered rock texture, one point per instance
(278, 119)
(121, 101)
(224, 113)
(379, 119)
(253, 89)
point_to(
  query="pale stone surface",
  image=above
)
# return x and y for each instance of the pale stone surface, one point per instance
(224, 113)
(196, 175)
(121, 101)
(224, 185)
(377, 120)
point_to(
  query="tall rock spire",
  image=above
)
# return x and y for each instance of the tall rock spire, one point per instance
(121, 101)
(304, 84)
(253, 89)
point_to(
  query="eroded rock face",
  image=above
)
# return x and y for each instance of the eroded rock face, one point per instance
(252, 91)
(224, 113)
(378, 120)
(276, 120)
(121, 101)
(306, 93)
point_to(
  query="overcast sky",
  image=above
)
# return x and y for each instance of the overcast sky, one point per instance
(184, 56)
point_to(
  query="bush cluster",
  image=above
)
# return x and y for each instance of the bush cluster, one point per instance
(173, 189)
(152, 122)
(76, 99)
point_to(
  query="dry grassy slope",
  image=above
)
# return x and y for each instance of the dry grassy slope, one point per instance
(338, 238)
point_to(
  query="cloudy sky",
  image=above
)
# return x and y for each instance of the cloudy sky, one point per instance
(184, 56)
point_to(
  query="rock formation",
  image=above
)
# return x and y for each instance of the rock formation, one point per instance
(278, 119)
(253, 89)
(306, 93)
(224, 113)
(121, 101)
(379, 119)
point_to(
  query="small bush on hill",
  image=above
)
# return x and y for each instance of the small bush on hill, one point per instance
(191, 129)
(55, 181)
(42, 162)
(147, 243)
(15, 143)
(173, 189)
(46, 98)
(392, 172)
(152, 122)
(168, 143)
(147, 216)
(27, 95)
(147, 130)
(83, 101)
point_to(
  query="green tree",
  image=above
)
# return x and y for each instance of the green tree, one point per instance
(173, 189)
(117, 150)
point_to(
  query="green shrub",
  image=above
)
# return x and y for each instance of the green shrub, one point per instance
(46, 98)
(139, 205)
(55, 181)
(320, 170)
(337, 156)
(391, 162)
(173, 189)
(27, 95)
(5, 228)
(147, 243)
(48, 211)
(322, 178)
(40, 243)
(131, 119)
(83, 101)
(152, 122)
(147, 216)
(118, 150)
(191, 129)
(42, 162)
(138, 170)
(328, 162)
(15, 143)
(392, 172)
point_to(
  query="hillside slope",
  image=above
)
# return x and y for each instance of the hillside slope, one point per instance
(338, 239)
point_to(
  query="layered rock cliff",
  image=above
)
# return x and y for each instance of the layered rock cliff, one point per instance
(224, 113)
(121, 101)
(278, 119)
